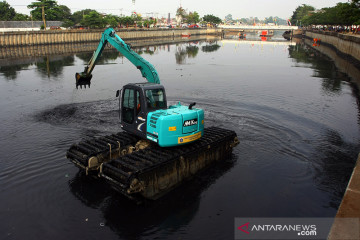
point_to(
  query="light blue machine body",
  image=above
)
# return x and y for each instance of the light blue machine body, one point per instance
(175, 126)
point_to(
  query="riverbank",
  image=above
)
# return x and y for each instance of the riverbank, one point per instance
(344, 50)
(31, 38)
(346, 223)
(346, 45)
(341, 63)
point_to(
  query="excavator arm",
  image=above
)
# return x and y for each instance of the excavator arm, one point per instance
(109, 36)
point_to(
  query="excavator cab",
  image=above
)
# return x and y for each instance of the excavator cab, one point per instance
(137, 100)
(144, 112)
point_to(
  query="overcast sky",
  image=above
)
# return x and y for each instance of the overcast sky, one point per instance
(219, 8)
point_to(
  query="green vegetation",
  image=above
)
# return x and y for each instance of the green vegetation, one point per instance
(344, 14)
(193, 17)
(211, 19)
(52, 10)
(301, 12)
(275, 20)
(93, 20)
(180, 12)
(8, 13)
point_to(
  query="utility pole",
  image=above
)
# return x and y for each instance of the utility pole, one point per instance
(43, 16)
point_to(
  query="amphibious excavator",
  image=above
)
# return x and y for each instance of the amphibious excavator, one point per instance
(144, 111)
(176, 143)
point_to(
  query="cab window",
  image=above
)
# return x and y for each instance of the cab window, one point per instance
(128, 106)
(155, 98)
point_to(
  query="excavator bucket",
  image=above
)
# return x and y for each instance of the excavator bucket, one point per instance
(82, 76)
(82, 80)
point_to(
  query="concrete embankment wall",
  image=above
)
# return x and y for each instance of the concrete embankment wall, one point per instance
(20, 52)
(8, 39)
(342, 64)
(346, 224)
(346, 45)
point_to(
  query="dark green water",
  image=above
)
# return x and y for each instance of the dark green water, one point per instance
(296, 116)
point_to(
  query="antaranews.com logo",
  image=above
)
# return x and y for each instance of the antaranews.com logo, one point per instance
(284, 228)
(301, 230)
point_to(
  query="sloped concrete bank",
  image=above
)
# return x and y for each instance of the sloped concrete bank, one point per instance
(345, 45)
(350, 68)
(346, 224)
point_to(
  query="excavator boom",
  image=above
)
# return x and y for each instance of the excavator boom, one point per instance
(109, 36)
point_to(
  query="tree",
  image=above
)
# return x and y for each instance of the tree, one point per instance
(347, 14)
(77, 16)
(228, 17)
(269, 20)
(193, 17)
(244, 20)
(181, 12)
(127, 21)
(254, 20)
(149, 22)
(49, 10)
(40, 8)
(63, 13)
(212, 19)
(20, 17)
(342, 14)
(136, 16)
(93, 20)
(300, 12)
(7, 13)
(356, 3)
(181, 15)
(112, 20)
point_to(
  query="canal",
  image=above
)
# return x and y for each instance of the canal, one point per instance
(296, 116)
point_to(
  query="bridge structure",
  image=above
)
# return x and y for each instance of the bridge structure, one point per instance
(258, 27)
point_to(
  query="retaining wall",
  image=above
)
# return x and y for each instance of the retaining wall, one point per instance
(8, 39)
(19, 52)
(346, 44)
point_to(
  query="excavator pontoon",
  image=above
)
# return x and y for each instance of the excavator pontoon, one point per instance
(160, 146)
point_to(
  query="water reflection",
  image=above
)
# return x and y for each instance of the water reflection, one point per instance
(148, 50)
(54, 65)
(183, 52)
(47, 66)
(323, 67)
(152, 218)
(210, 47)
(10, 71)
(106, 56)
(333, 165)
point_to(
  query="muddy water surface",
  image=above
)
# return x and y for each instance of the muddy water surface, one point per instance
(296, 116)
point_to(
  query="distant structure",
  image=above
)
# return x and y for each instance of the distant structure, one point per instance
(11, 26)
